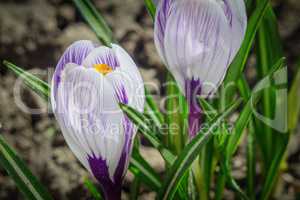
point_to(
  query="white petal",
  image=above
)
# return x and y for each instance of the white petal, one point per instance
(90, 116)
(197, 41)
(75, 53)
(163, 11)
(236, 12)
(127, 76)
(101, 55)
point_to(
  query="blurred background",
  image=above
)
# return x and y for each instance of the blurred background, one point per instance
(33, 35)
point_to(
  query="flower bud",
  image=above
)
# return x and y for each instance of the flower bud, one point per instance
(88, 84)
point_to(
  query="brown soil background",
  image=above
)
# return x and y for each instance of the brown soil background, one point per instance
(34, 33)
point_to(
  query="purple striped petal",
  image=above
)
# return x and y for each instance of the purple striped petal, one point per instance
(235, 12)
(87, 108)
(163, 12)
(102, 55)
(75, 53)
(127, 81)
(198, 42)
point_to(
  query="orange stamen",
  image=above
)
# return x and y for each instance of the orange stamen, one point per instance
(103, 68)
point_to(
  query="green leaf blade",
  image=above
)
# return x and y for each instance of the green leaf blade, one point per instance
(95, 20)
(151, 8)
(140, 121)
(34, 83)
(24, 179)
(238, 64)
(188, 155)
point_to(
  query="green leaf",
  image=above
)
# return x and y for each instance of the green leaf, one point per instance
(209, 111)
(188, 155)
(151, 109)
(95, 20)
(176, 115)
(135, 188)
(150, 7)
(251, 165)
(269, 50)
(238, 64)
(92, 189)
(239, 127)
(34, 83)
(273, 171)
(246, 113)
(24, 179)
(140, 168)
(293, 102)
(139, 120)
(244, 87)
(42, 89)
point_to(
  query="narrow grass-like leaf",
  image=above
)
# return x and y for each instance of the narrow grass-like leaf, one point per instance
(244, 87)
(209, 111)
(188, 155)
(176, 115)
(273, 170)
(240, 124)
(140, 168)
(95, 20)
(293, 102)
(220, 186)
(150, 7)
(34, 83)
(238, 64)
(269, 50)
(251, 154)
(246, 113)
(152, 110)
(27, 183)
(140, 121)
(135, 188)
(92, 189)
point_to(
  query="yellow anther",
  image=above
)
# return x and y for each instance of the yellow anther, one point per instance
(103, 68)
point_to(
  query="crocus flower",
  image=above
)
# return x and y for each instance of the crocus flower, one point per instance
(197, 40)
(88, 84)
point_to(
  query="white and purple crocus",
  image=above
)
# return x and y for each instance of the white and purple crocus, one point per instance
(88, 84)
(197, 40)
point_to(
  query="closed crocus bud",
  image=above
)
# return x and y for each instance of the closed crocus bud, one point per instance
(88, 84)
(197, 40)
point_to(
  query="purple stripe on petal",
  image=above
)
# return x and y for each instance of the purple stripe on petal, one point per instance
(193, 89)
(162, 14)
(228, 12)
(75, 53)
(102, 55)
(128, 131)
(124, 159)
(235, 12)
(121, 95)
(197, 41)
(112, 190)
(110, 59)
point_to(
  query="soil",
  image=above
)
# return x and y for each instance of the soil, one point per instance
(34, 33)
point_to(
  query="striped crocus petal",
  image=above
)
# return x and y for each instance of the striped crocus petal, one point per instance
(163, 11)
(127, 84)
(197, 43)
(87, 110)
(198, 39)
(235, 12)
(75, 53)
